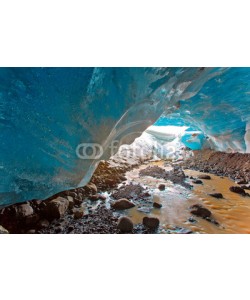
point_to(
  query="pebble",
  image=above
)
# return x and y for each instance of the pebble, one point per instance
(197, 181)
(161, 187)
(157, 205)
(216, 195)
(207, 177)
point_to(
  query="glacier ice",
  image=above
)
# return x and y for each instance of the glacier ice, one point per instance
(45, 113)
(156, 142)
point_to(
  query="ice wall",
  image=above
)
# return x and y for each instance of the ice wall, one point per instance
(221, 110)
(46, 113)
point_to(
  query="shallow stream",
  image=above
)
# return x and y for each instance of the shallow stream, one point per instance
(232, 212)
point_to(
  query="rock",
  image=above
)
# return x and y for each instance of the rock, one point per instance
(78, 200)
(122, 178)
(3, 230)
(91, 188)
(24, 210)
(43, 224)
(242, 181)
(206, 177)
(72, 194)
(197, 181)
(125, 224)
(151, 222)
(157, 205)
(216, 195)
(36, 204)
(200, 211)
(122, 204)
(237, 190)
(161, 187)
(71, 202)
(94, 197)
(78, 213)
(57, 208)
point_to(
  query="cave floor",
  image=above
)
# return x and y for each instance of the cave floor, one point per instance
(179, 199)
(230, 214)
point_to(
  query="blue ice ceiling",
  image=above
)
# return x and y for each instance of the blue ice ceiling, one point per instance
(46, 113)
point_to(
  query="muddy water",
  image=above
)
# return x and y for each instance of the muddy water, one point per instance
(232, 212)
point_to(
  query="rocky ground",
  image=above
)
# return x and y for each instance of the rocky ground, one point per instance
(233, 165)
(85, 210)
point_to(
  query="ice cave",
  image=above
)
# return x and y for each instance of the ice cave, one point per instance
(59, 126)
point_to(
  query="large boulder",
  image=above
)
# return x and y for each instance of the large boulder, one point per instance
(71, 202)
(57, 208)
(151, 222)
(122, 204)
(90, 188)
(125, 224)
(24, 210)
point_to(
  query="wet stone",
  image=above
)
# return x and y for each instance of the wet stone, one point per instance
(161, 187)
(200, 211)
(122, 204)
(206, 177)
(237, 190)
(151, 222)
(157, 205)
(216, 195)
(197, 181)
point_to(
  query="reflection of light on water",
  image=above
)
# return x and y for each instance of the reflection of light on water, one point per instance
(174, 199)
